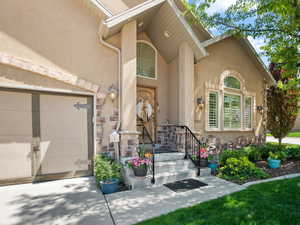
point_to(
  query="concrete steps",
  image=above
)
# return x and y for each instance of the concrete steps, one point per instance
(169, 167)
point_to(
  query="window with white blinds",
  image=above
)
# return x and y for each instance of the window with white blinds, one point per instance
(146, 60)
(213, 113)
(232, 111)
(248, 113)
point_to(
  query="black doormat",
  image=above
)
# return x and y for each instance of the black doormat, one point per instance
(185, 185)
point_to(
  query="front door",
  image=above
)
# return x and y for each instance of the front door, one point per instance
(146, 109)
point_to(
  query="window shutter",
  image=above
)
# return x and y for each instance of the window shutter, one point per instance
(232, 111)
(248, 113)
(232, 82)
(145, 60)
(213, 113)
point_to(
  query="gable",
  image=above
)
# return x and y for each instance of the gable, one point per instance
(229, 54)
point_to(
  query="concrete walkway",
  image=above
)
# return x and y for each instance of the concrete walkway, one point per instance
(130, 207)
(65, 202)
(287, 140)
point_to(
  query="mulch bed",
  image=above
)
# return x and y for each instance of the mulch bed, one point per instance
(288, 167)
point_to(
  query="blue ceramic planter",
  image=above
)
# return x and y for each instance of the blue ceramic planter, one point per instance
(213, 166)
(274, 163)
(109, 186)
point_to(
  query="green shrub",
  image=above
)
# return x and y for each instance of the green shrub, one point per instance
(226, 154)
(292, 151)
(240, 169)
(254, 153)
(105, 168)
(281, 155)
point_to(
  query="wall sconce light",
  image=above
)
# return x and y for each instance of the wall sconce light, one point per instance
(200, 102)
(260, 109)
(112, 92)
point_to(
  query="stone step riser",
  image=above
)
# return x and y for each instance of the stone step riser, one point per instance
(173, 167)
(169, 157)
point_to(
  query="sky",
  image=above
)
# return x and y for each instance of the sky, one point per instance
(220, 6)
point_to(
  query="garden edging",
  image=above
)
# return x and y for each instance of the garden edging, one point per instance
(271, 179)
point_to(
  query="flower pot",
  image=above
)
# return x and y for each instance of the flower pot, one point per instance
(140, 171)
(274, 163)
(213, 166)
(109, 186)
(203, 163)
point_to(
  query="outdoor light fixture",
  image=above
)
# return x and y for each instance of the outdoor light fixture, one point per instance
(200, 102)
(112, 92)
(260, 109)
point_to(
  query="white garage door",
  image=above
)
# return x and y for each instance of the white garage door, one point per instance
(64, 134)
(43, 136)
(15, 135)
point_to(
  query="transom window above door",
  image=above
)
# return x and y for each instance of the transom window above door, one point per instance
(146, 60)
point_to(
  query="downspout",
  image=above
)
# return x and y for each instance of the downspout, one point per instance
(119, 69)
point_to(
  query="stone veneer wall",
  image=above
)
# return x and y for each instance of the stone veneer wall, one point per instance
(168, 136)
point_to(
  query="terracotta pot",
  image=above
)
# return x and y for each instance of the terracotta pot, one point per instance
(140, 171)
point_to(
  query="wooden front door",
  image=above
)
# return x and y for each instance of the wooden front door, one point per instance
(146, 109)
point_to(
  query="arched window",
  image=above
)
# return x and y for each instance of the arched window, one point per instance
(232, 82)
(230, 107)
(146, 60)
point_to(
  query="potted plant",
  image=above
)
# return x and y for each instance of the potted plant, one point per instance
(274, 160)
(213, 159)
(203, 157)
(107, 174)
(140, 163)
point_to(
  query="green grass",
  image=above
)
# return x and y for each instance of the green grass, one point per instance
(291, 134)
(271, 203)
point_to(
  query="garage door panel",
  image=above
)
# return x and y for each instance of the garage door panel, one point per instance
(64, 142)
(15, 135)
(73, 155)
(59, 114)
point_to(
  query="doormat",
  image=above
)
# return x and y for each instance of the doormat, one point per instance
(185, 185)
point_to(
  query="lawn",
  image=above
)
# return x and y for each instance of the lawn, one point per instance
(271, 203)
(291, 134)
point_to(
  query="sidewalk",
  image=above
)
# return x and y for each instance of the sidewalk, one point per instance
(130, 207)
(287, 140)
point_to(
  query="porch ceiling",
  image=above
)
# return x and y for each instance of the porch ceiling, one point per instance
(164, 16)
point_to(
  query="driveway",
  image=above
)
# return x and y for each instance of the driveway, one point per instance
(65, 202)
(287, 140)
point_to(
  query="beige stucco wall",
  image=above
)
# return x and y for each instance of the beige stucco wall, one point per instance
(161, 83)
(61, 35)
(173, 91)
(227, 55)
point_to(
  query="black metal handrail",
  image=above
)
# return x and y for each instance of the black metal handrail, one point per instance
(144, 134)
(192, 146)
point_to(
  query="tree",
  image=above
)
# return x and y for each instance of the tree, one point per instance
(275, 21)
(282, 106)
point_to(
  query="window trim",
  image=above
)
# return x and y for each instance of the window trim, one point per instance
(156, 54)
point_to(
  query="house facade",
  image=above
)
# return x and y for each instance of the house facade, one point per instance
(73, 72)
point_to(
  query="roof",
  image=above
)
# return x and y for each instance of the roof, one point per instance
(157, 17)
(151, 10)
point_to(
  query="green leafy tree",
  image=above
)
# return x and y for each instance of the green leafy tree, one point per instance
(275, 21)
(282, 106)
